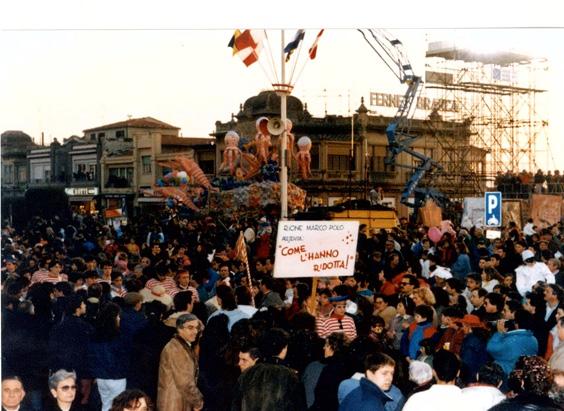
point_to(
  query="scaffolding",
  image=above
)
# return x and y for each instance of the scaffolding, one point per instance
(495, 98)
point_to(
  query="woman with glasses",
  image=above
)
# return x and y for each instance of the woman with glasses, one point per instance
(62, 385)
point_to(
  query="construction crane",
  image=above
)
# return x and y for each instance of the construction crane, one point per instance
(400, 139)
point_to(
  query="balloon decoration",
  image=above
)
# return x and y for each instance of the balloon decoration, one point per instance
(435, 234)
(304, 157)
(232, 152)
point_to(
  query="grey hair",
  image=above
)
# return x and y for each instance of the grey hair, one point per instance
(59, 376)
(183, 319)
(420, 372)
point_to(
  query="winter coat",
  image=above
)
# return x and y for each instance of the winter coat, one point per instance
(473, 355)
(461, 267)
(506, 348)
(326, 388)
(178, 374)
(413, 337)
(107, 358)
(68, 345)
(367, 397)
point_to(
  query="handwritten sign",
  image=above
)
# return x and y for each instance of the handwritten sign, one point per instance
(315, 248)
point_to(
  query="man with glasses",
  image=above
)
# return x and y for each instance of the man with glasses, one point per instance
(178, 369)
(407, 285)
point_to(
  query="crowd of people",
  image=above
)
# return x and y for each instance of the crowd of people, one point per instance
(524, 183)
(164, 314)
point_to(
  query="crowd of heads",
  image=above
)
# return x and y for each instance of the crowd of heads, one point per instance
(409, 316)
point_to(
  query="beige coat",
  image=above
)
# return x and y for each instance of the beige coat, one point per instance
(178, 375)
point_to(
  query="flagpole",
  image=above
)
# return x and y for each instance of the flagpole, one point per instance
(283, 144)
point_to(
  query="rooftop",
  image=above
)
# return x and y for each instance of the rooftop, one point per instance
(143, 122)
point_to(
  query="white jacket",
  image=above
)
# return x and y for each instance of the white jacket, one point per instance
(529, 275)
(482, 397)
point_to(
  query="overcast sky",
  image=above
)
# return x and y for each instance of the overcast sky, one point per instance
(74, 66)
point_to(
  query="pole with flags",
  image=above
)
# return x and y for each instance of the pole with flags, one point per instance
(241, 254)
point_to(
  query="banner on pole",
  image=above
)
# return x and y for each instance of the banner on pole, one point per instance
(315, 248)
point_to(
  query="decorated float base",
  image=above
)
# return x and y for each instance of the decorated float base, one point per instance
(252, 199)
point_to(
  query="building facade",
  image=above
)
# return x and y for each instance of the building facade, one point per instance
(348, 153)
(130, 163)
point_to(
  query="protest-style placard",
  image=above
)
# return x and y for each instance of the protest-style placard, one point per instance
(315, 248)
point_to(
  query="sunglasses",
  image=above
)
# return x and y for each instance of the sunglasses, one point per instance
(67, 387)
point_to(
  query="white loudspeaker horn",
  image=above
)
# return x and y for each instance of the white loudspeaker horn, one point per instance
(275, 126)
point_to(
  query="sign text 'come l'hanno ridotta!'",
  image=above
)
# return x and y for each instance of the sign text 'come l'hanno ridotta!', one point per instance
(315, 248)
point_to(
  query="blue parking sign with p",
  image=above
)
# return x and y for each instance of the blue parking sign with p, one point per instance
(493, 209)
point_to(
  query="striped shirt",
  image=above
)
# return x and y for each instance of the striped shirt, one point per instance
(43, 276)
(327, 326)
(118, 292)
(168, 283)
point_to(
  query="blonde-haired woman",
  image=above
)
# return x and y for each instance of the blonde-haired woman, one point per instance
(424, 296)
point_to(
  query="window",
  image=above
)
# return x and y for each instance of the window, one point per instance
(21, 174)
(7, 175)
(120, 134)
(101, 135)
(84, 171)
(146, 164)
(339, 162)
(120, 177)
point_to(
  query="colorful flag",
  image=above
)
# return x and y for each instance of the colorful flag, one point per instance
(313, 48)
(241, 249)
(248, 45)
(232, 41)
(291, 46)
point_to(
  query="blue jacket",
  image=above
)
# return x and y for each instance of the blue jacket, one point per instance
(367, 397)
(411, 342)
(107, 359)
(461, 267)
(506, 348)
(396, 403)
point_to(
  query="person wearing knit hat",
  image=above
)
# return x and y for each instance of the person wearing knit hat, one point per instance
(531, 272)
